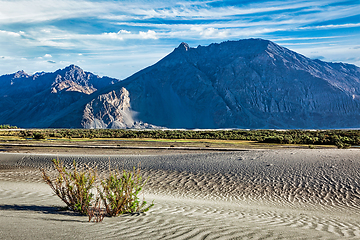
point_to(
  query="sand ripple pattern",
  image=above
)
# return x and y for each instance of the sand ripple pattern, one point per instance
(268, 194)
(171, 218)
(293, 178)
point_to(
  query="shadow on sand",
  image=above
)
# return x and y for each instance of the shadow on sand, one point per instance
(43, 209)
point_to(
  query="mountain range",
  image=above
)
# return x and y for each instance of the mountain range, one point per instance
(251, 83)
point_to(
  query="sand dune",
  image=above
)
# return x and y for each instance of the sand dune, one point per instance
(256, 194)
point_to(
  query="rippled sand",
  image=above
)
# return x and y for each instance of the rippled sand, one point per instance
(256, 194)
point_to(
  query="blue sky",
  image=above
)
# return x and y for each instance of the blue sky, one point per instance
(118, 38)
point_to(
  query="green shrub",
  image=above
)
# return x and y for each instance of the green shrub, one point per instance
(7, 126)
(117, 194)
(38, 136)
(339, 144)
(72, 187)
(273, 139)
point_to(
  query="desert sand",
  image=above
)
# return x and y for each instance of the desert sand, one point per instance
(252, 194)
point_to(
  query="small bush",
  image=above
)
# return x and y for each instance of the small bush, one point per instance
(117, 194)
(38, 136)
(342, 145)
(273, 139)
(72, 187)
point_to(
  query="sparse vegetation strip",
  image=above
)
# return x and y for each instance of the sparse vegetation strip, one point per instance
(340, 138)
(7, 126)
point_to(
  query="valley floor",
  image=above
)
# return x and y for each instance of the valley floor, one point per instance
(252, 194)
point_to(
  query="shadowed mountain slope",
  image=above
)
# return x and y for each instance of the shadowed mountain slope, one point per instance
(250, 83)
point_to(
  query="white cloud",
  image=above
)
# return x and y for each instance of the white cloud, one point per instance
(53, 43)
(201, 10)
(330, 26)
(124, 34)
(303, 38)
(46, 10)
(13, 34)
(119, 35)
(7, 57)
(210, 32)
(113, 35)
(47, 56)
(329, 52)
(150, 34)
(193, 21)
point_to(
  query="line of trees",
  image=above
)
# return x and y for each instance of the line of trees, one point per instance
(340, 138)
(7, 126)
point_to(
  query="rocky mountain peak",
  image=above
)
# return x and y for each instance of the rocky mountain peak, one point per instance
(73, 73)
(21, 74)
(70, 71)
(183, 46)
(73, 78)
(72, 67)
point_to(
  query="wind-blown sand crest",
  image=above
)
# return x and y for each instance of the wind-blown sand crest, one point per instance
(256, 194)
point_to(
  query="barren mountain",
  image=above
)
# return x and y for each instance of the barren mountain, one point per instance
(36, 100)
(251, 83)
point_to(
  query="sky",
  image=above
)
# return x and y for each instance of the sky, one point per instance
(118, 38)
